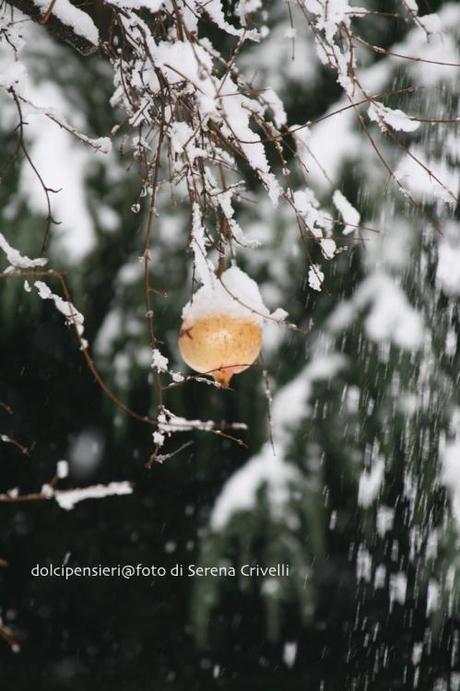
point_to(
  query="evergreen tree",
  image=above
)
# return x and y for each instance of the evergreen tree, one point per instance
(347, 473)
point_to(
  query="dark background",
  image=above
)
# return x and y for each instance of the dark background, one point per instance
(110, 633)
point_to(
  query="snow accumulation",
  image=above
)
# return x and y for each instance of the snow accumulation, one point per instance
(314, 144)
(168, 423)
(412, 6)
(204, 268)
(328, 248)
(16, 259)
(390, 317)
(68, 498)
(442, 41)
(80, 22)
(179, 61)
(396, 119)
(431, 23)
(235, 294)
(159, 361)
(269, 468)
(315, 277)
(240, 491)
(237, 112)
(70, 312)
(215, 11)
(275, 104)
(448, 268)
(350, 215)
(428, 179)
(215, 96)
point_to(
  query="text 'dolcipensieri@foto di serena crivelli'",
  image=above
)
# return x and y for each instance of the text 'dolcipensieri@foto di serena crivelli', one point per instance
(127, 571)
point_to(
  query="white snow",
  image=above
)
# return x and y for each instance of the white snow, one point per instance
(85, 452)
(431, 23)
(385, 518)
(268, 468)
(235, 294)
(314, 144)
(80, 22)
(70, 312)
(62, 469)
(442, 42)
(273, 60)
(13, 72)
(428, 179)
(380, 577)
(49, 145)
(398, 588)
(236, 112)
(315, 277)
(350, 215)
(363, 564)
(417, 652)
(328, 248)
(168, 423)
(411, 6)
(16, 259)
(52, 132)
(240, 491)
(110, 330)
(448, 269)
(395, 118)
(433, 597)
(224, 199)
(181, 61)
(390, 316)
(279, 315)
(215, 11)
(68, 498)
(158, 438)
(204, 268)
(289, 653)
(275, 104)
(159, 361)
(370, 483)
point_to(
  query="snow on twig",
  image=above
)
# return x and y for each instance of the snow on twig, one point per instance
(70, 312)
(16, 259)
(68, 498)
